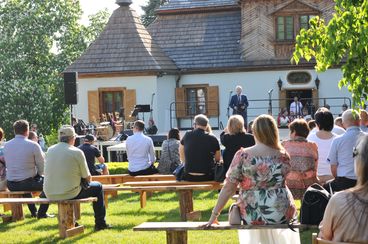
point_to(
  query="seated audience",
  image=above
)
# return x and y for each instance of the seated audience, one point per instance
(303, 158)
(249, 127)
(346, 216)
(233, 138)
(344, 107)
(306, 115)
(65, 167)
(312, 126)
(25, 166)
(91, 152)
(1, 145)
(338, 122)
(364, 121)
(170, 158)
(323, 138)
(283, 118)
(199, 150)
(2, 164)
(260, 172)
(340, 157)
(33, 136)
(140, 152)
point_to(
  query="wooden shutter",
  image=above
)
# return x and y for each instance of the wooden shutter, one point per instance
(282, 101)
(315, 98)
(212, 101)
(180, 102)
(93, 106)
(129, 103)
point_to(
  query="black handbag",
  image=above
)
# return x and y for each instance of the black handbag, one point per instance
(84, 184)
(219, 172)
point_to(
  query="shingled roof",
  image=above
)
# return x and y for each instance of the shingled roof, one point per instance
(123, 46)
(187, 4)
(200, 40)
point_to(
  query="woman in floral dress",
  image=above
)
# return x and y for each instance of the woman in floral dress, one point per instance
(260, 172)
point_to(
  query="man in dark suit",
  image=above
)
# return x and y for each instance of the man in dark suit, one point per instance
(239, 104)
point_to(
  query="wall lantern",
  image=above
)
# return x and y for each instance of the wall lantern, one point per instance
(317, 81)
(279, 83)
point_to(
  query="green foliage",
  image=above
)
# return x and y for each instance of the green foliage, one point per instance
(118, 168)
(344, 39)
(149, 11)
(38, 40)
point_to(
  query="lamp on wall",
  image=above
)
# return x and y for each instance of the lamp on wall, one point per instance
(279, 83)
(317, 81)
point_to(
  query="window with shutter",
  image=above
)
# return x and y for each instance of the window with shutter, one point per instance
(213, 101)
(93, 106)
(129, 103)
(180, 102)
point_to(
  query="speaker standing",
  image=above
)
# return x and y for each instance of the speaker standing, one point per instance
(239, 103)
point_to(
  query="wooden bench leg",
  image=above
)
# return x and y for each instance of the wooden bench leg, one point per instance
(143, 198)
(186, 203)
(77, 212)
(176, 237)
(106, 199)
(17, 212)
(67, 221)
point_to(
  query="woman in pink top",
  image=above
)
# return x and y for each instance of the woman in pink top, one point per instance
(346, 215)
(303, 158)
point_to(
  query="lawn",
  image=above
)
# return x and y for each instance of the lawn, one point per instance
(124, 213)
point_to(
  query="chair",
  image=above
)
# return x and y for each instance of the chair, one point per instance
(317, 240)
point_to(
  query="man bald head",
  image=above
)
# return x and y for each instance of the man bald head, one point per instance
(349, 118)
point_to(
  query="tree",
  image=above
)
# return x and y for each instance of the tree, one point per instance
(150, 11)
(38, 40)
(343, 40)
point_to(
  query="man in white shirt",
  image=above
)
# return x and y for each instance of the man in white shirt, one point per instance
(296, 107)
(140, 152)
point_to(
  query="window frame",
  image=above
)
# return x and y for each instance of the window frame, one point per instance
(196, 87)
(102, 91)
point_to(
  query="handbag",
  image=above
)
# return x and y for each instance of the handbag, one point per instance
(179, 172)
(84, 184)
(234, 215)
(219, 172)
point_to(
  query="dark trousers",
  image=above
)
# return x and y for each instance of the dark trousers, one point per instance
(149, 171)
(189, 177)
(30, 184)
(95, 190)
(339, 184)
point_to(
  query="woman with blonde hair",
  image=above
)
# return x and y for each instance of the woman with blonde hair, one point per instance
(233, 138)
(260, 172)
(346, 215)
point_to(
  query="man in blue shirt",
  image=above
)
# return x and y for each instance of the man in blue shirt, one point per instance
(140, 152)
(341, 156)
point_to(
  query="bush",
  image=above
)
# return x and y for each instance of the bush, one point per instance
(118, 168)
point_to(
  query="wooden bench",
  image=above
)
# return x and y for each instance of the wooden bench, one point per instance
(122, 178)
(185, 196)
(176, 232)
(66, 212)
(143, 194)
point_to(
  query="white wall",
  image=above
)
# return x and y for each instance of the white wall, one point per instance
(257, 84)
(164, 97)
(144, 85)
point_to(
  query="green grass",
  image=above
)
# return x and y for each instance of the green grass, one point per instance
(124, 213)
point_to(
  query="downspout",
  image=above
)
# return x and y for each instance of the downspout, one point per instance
(177, 85)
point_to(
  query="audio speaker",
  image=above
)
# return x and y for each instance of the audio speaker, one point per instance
(70, 87)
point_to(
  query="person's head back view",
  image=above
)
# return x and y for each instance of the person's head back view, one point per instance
(299, 127)
(235, 124)
(21, 127)
(174, 133)
(265, 131)
(139, 125)
(350, 118)
(324, 119)
(201, 121)
(361, 163)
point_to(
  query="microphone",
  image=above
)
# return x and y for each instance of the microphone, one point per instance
(270, 91)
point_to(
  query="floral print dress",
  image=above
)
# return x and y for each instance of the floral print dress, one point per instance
(263, 197)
